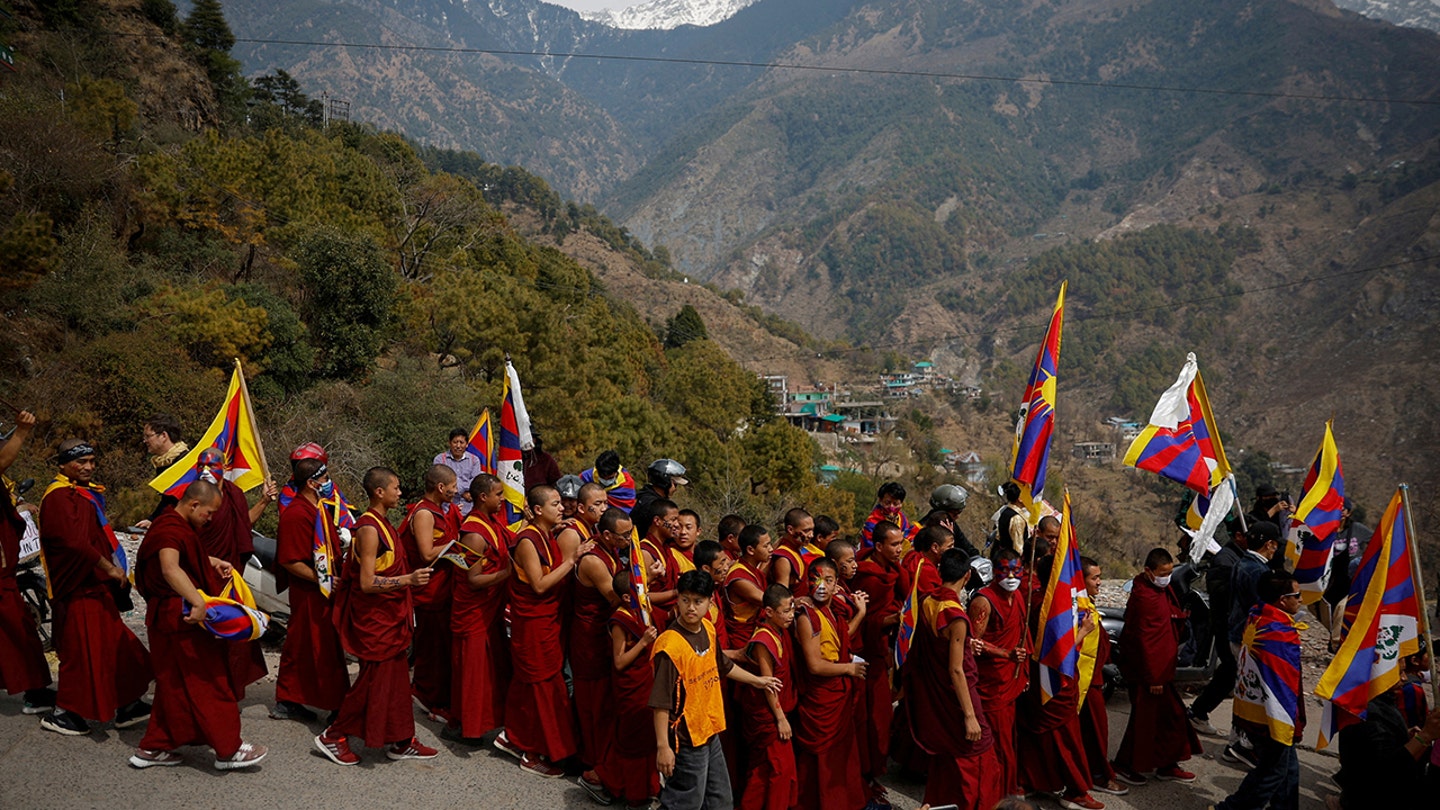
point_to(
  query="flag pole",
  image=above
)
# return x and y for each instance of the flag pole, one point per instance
(1418, 575)
(1235, 495)
(250, 409)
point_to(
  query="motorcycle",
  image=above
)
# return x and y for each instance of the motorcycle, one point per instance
(1198, 656)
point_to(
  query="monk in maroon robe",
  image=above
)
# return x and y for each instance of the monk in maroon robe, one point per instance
(312, 662)
(1002, 651)
(656, 545)
(943, 706)
(23, 667)
(628, 771)
(432, 522)
(591, 664)
(1094, 720)
(543, 731)
(195, 701)
(227, 537)
(1158, 736)
(104, 669)
(372, 614)
(771, 782)
(923, 559)
(1049, 749)
(480, 653)
(745, 585)
(827, 755)
(878, 577)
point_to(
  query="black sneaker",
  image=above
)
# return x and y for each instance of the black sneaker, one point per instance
(132, 715)
(68, 723)
(1236, 753)
(287, 710)
(38, 701)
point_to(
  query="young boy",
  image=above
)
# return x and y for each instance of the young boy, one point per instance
(372, 615)
(770, 782)
(1094, 722)
(479, 654)
(656, 545)
(827, 530)
(745, 585)
(432, 522)
(727, 533)
(629, 770)
(889, 506)
(827, 756)
(686, 535)
(712, 559)
(688, 710)
(794, 553)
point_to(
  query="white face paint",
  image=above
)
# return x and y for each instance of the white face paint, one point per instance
(1010, 584)
(819, 591)
(207, 476)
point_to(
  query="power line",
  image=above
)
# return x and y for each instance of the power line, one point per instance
(923, 74)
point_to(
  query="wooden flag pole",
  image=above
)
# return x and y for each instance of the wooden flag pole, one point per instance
(1417, 574)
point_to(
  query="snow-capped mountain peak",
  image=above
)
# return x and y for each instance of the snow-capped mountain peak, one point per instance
(666, 14)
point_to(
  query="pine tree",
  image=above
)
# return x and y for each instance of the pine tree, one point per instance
(686, 326)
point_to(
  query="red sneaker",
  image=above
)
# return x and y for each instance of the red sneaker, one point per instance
(1081, 802)
(412, 749)
(538, 766)
(1174, 774)
(336, 749)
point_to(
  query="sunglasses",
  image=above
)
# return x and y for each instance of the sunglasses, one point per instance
(1295, 595)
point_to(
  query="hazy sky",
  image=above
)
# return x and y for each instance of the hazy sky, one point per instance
(591, 5)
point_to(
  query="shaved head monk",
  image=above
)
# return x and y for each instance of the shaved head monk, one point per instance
(432, 523)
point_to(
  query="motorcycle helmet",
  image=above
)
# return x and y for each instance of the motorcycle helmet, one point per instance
(949, 497)
(309, 450)
(569, 486)
(663, 472)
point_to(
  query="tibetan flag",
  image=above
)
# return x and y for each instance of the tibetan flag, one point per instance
(1205, 515)
(234, 434)
(1060, 616)
(1267, 689)
(514, 440)
(637, 577)
(1316, 519)
(909, 620)
(325, 551)
(339, 509)
(1181, 442)
(232, 615)
(482, 443)
(1031, 451)
(1382, 621)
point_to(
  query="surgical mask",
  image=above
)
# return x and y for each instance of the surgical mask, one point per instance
(1161, 582)
(608, 482)
(326, 489)
(1010, 583)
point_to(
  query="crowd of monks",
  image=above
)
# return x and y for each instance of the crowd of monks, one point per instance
(764, 670)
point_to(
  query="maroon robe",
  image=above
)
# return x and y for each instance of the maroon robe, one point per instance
(827, 755)
(877, 644)
(1003, 680)
(660, 614)
(628, 770)
(479, 653)
(375, 628)
(742, 616)
(22, 657)
(195, 701)
(962, 771)
(546, 723)
(591, 663)
(771, 781)
(312, 662)
(103, 666)
(1159, 732)
(1094, 720)
(1050, 752)
(227, 537)
(431, 651)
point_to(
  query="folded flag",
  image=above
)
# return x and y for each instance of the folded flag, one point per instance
(1267, 689)
(232, 615)
(325, 552)
(515, 438)
(637, 577)
(234, 434)
(95, 494)
(1382, 621)
(1060, 619)
(1031, 449)
(1316, 519)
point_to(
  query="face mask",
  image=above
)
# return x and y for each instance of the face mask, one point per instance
(1010, 583)
(607, 482)
(326, 489)
(1161, 582)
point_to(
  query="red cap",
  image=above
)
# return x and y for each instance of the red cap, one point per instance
(310, 450)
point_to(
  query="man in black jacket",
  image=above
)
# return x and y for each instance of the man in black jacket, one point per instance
(1382, 761)
(1217, 585)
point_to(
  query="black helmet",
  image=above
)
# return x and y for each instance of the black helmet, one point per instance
(663, 472)
(569, 486)
(949, 497)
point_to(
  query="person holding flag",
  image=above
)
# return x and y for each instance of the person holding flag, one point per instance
(1269, 697)
(1031, 451)
(307, 555)
(195, 702)
(104, 669)
(591, 665)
